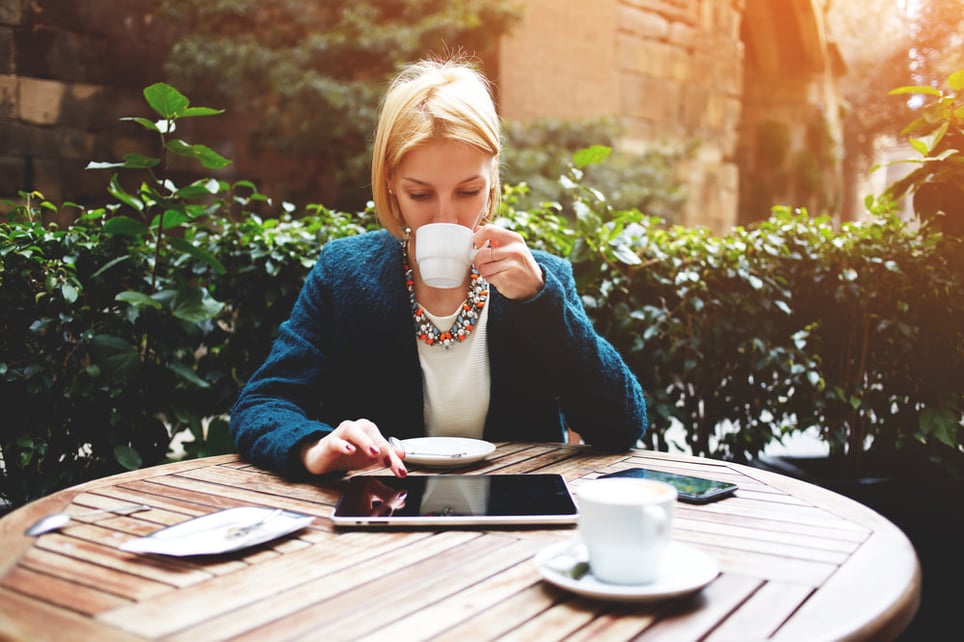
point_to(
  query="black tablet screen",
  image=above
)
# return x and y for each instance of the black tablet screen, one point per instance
(462, 499)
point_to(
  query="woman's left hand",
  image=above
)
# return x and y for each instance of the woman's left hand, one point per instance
(504, 260)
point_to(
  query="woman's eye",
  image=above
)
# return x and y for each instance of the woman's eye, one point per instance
(419, 197)
(470, 193)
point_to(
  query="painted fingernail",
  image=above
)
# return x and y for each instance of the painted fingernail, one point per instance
(373, 449)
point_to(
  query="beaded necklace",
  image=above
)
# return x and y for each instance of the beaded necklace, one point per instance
(427, 331)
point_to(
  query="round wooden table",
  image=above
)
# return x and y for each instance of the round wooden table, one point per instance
(797, 562)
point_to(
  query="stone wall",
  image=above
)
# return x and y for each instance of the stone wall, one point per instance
(68, 71)
(677, 72)
(670, 70)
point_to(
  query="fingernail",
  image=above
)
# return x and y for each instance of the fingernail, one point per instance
(373, 449)
(402, 472)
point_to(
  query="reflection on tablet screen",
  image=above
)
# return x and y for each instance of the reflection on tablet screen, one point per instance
(514, 498)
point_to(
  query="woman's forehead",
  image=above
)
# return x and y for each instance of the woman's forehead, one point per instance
(445, 159)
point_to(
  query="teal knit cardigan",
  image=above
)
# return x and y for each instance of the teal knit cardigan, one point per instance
(349, 351)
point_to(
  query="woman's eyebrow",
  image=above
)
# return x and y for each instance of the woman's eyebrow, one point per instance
(409, 179)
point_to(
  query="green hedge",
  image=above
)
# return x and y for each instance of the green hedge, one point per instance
(768, 330)
(789, 325)
(138, 324)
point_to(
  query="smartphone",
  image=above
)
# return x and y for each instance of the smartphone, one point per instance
(695, 490)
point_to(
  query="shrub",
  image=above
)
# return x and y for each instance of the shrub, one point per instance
(780, 327)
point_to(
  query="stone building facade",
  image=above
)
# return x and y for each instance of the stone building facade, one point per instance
(728, 75)
(68, 72)
(752, 82)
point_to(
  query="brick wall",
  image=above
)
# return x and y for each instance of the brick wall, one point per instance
(670, 70)
(673, 72)
(69, 70)
(561, 62)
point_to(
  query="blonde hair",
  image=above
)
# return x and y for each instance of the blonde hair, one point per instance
(433, 100)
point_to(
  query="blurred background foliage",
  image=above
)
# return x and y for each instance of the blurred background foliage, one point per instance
(303, 80)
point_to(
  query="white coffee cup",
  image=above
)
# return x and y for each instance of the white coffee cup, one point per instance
(626, 525)
(443, 253)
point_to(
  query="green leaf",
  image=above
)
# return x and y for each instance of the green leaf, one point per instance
(187, 374)
(69, 292)
(198, 189)
(127, 457)
(143, 122)
(124, 226)
(626, 255)
(195, 305)
(167, 101)
(916, 89)
(110, 264)
(115, 356)
(209, 158)
(590, 155)
(172, 219)
(199, 253)
(200, 111)
(139, 161)
(920, 146)
(942, 423)
(137, 299)
(956, 80)
(121, 194)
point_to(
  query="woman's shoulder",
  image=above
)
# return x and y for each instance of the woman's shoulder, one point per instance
(364, 262)
(368, 243)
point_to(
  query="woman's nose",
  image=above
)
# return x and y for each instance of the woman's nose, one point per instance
(446, 212)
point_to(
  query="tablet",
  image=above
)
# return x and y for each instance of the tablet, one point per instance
(455, 500)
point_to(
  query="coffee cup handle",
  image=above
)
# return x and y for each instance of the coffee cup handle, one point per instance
(658, 517)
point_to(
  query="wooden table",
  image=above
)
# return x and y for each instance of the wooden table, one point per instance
(797, 563)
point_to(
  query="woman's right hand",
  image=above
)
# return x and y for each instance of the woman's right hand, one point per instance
(351, 446)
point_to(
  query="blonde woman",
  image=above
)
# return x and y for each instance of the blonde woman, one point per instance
(360, 358)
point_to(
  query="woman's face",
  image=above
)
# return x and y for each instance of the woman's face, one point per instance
(443, 181)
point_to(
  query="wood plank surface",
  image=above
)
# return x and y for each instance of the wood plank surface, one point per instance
(797, 563)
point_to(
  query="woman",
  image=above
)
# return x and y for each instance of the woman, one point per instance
(359, 361)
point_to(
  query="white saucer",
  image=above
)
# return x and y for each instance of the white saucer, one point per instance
(685, 569)
(446, 452)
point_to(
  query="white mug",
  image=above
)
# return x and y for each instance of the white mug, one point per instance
(626, 525)
(443, 253)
